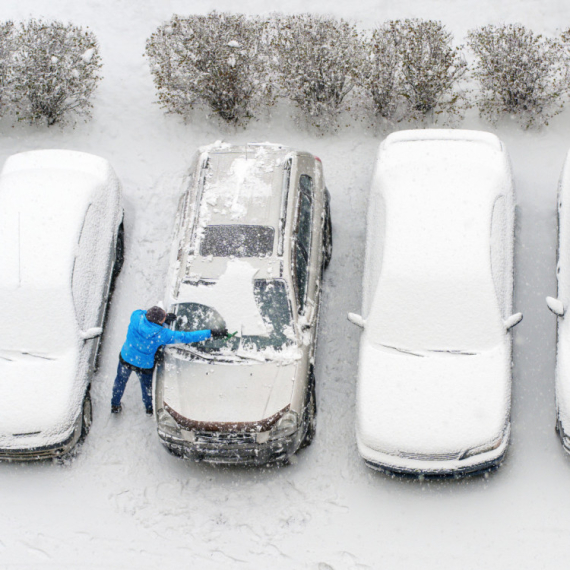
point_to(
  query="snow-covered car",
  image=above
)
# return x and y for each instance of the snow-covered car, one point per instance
(61, 245)
(559, 307)
(252, 239)
(434, 379)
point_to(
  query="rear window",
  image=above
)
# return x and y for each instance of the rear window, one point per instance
(237, 241)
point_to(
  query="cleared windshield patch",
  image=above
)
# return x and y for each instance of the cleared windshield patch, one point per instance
(237, 241)
(272, 302)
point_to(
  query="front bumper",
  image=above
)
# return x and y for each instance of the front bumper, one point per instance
(564, 437)
(39, 453)
(213, 447)
(425, 467)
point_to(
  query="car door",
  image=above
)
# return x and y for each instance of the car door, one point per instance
(307, 254)
(90, 278)
(500, 267)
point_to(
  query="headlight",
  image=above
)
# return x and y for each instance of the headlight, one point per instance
(286, 426)
(167, 424)
(490, 446)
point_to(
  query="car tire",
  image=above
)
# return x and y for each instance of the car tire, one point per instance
(117, 265)
(310, 413)
(119, 255)
(327, 234)
(174, 451)
(86, 415)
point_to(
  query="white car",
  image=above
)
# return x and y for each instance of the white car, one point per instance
(434, 379)
(252, 239)
(559, 307)
(61, 244)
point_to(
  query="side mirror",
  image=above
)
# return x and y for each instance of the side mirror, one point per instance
(512, 321)
(91, 333)
(556, 306)
(356, 320)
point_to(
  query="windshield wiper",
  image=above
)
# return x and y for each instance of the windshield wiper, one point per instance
(37, 355)
(211, 357)
(451, 351)
(405, 351)
(33, 354)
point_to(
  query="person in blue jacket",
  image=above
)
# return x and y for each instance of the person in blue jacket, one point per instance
(145, 335)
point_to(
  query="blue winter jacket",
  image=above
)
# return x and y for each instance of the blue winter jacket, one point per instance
(144, 338)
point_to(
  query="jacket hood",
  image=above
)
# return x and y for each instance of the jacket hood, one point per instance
(432, 403)
(147, 329)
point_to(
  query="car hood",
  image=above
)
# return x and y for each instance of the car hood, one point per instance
(38, 394)
(437, 403)
(227, 392)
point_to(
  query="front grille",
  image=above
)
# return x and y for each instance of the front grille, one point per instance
(30, 454)
(224, 438)
(430, 456)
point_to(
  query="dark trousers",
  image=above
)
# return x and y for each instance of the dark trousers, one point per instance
(123, 373)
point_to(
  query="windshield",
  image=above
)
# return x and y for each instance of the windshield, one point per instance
(41, 321)
(237, 241)
(273, 304)
(435, 316)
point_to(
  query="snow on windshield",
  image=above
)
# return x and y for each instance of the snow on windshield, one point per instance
(41, 321)
(435, 315)
(272, 301)
(232, 295)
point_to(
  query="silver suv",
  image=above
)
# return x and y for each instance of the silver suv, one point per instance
(252, 238)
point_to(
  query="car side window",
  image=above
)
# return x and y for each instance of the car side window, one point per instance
(86, 278)
(499, 251)
(303, 235)
(375, 230)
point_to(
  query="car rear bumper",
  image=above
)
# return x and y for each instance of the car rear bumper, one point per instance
(425, 467)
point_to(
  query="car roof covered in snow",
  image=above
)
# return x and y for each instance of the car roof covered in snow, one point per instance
(439, 187)
(240, 194)
(243, 184)
(427, 174)
(44, 196)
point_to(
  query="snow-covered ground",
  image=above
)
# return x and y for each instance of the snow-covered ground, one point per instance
(125, 503)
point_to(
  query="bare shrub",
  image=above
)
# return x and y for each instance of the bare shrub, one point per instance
(7, 46)
(56, 71)
(316, 58)
(380, 73)
(214, 60)
(411, 70)
(520, 74)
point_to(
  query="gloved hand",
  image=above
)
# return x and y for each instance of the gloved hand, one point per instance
(170, 318)
(219, 333)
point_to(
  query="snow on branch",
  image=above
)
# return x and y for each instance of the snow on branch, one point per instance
(520, 74)
(316, 60)
(410, 71)
(215, 60)
(7, 46)
(55, 71)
